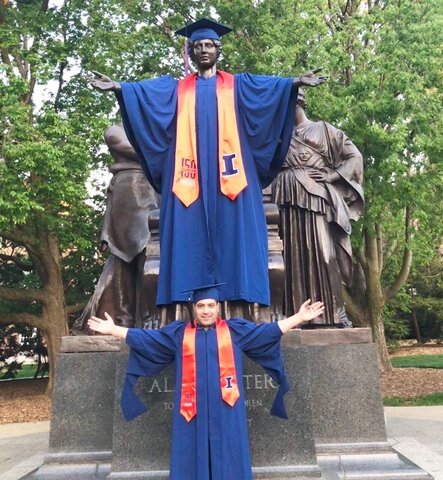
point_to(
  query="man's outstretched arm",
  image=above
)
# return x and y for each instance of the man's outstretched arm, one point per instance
(307, 312)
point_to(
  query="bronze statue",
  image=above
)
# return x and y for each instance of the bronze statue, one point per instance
(318, 192)
(125, 233)
(210, 143)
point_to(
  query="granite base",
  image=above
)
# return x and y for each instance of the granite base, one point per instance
(279, 448)
(338, 431)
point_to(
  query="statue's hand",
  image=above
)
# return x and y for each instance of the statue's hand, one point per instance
(102, 82)
(322, 176)
(310, 79)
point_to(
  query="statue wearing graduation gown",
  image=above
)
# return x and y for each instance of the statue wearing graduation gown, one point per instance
(318, 192)
(125, 233)
(205, 132)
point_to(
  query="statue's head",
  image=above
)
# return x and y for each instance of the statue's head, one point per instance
(204, 53)
(204, 45)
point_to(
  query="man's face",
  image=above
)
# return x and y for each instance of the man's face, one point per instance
(205, 54)
(205, 312)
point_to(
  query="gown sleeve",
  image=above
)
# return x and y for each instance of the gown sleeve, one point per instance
(148, 114)
(150, 352)
(261, 343)
(266, 110)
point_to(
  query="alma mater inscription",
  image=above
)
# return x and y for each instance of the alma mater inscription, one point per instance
(250, 382)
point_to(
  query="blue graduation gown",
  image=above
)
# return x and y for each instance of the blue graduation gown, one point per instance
(215, 239)
(214, 444)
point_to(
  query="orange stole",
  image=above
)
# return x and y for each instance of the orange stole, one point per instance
(188, 397)
(227, 375)
(231, 170)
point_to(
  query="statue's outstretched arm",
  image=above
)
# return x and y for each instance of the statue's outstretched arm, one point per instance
(104, 83)
(309, 79)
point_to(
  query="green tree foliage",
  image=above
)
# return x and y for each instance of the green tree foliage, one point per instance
(427, 302)
(46, 153)
(384, 63)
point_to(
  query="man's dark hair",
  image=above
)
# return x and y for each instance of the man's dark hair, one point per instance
(217, 45)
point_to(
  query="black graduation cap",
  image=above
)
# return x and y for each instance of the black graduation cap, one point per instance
(204, 292)
(203, 28)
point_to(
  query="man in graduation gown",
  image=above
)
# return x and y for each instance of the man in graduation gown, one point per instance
(209, 143)
(209, 432)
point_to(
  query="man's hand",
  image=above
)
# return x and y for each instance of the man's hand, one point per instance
(104, 83)
(107, 327)
(307, 312)
(309, 79)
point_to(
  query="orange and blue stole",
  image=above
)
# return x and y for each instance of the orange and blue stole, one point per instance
(227, 375)
(231, 170)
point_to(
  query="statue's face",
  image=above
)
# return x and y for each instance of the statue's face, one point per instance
(205, 54)
(304, 154)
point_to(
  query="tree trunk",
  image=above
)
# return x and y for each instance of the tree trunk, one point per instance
(378, 333)
(54, 308)
(53, 334)
(374, 296)
(416, 327)
(43, 250)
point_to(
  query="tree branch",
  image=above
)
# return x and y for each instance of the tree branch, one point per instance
(372, 254)
(78, 307)
(360, 253)
(28, 96)
(5, 56)
(379, 237)
(26, 267)
(21, 237)
(18, 62)
(403, 274)
(22, 295)
(60, 85)
(355, 312)
(21, 319)
(2, 12)
(44, 5)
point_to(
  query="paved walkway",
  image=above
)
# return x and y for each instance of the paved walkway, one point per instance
(415, 432)
(22, 448)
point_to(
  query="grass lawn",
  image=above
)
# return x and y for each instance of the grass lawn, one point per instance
(424, 401)
(418, 361)
(27, 371)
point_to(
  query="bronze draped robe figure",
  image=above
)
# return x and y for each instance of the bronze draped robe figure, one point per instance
(125, 232)
(318, 193)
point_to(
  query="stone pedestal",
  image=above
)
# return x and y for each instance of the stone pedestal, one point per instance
(335, 431)
(279, 448)
(347, 407)
(80, 440)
